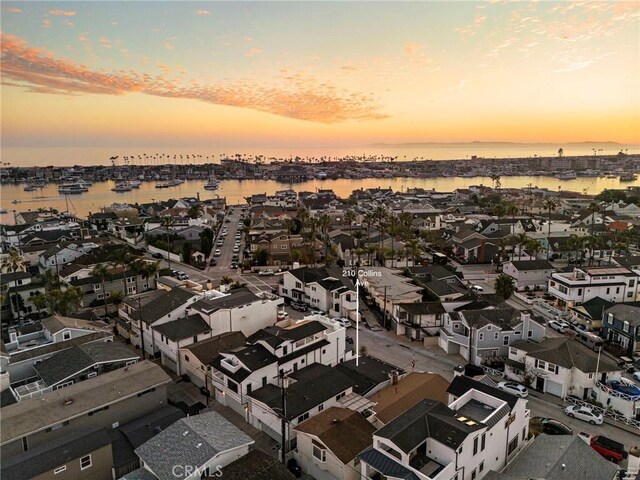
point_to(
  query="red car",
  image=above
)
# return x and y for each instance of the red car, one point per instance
(609, 449)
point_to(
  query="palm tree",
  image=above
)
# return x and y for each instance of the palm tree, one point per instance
(226, 280)
(349, 217)
(167, 223)
(549, 205)
(574, 244)
(290, 225)
(324, 221)
(195, 211)
(595, 208)
(103, 273)
(504, 286)
(40, 302)
(138, 267)
(413, 250)
(14, 261)
(533, 246)
(151, 269)
(303, 217)
(520, 239)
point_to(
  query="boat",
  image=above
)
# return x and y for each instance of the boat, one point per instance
(30, 188)
(122, 187)
(567, 176)
(212, 184)
(321, 176)
(163, 185)
(135, 183)
(73, 188)
(628, 177)
(3, 211)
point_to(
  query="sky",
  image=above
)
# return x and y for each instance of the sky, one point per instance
(144, 73)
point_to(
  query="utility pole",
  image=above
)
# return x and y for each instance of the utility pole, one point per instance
(140, 327)
(284, 381)
(384, 308)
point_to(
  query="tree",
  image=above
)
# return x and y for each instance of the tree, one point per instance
(186, 252)
(40, 302)
(349, 217)
(138, 267)
(595, 208)
(533, 246)
(14, 261)
(206, 241)
(291, 225)
(261, 256)
(167, 223)
(103, 273)
(520, 239)
(324, 221)
(560, 152)
(151, 269)
(504, 286)
(195, 211)
(226, 280)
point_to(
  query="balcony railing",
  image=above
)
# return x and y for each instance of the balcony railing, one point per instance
(455, 337)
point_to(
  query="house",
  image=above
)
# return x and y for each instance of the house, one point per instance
(86, 455)
(100, 221)
(270, 352)
(18, 290)
(329, 443)
(75, 364)
(560, 366)
(529, 274)
(193, 447)
(195, 359)
(33, 343)
(617, 284)
(311, 390)
(370, 374)
(322, 289)
(115, 397)
(621, 326)
(589, 314)
(171, 335)
(59, 255)
(557, 457)
(129, 436)
(387, 287)
(279, 245)
(121, 280)
(481, 335)
(238, 310)
(480, 429)
(415, 320)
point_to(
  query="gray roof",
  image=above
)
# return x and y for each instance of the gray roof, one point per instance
(625, 313)
(274, 335)
(462, 384)
(72, 361)
(207, 350)
(140, 474)
(422, 308)
(236, 298)
(314, 385)
(183, 327)
(386, 465)
(567, 353)
(144, 428)
(11, 277)
(560, 457)
(57, 452)
(256, 465)
(427, 419)
(192, 441)
(164, 304)
(254, 357)
(521, 265)
(369, 373)
(505, 318)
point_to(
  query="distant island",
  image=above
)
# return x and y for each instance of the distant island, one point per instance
(487, 144)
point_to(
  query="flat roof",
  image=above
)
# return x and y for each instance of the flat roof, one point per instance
(30, 416)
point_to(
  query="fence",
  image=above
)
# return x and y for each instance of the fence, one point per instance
(607, 413)
(174, 256)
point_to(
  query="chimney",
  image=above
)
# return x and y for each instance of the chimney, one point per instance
(394, 379)
(458, 371)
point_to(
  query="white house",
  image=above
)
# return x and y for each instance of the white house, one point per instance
(615, 284)
(529, 274)
(59, 255)
(559, 366)
(480, 429)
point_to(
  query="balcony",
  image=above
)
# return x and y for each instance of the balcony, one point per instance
(455, 337)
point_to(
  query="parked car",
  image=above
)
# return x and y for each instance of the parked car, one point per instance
(157, 255)
(174, 273)
(299, 306)
(584, 413)
(236, 249)
(608, 448)
(627, 364)
(551, 426)
(636, 376)
(234, 265)
(627, 389)
(477, 289)
(558, 326)
(265, 273)
(182, 276)
(315, 311)
(345, 322)
(213, 262)
(514, 389)
(217, 253)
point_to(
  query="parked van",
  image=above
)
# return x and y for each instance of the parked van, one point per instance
(439, 258)
(477, 289)
(594, 342)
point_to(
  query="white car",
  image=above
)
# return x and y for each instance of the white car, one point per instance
(636, 376)
(345, 322)
(477, 289)
(584, 413)
(558, 326)
(217, 253)
(265, 273)
(514, 389)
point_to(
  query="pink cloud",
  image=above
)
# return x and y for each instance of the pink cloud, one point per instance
(203, 12)
(12, 10)
(412, 48)
(63, 13)
(252, 52)
(295, 96)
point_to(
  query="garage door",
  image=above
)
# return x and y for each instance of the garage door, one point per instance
(553, 388)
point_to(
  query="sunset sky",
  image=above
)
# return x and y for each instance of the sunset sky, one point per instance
(318, 73)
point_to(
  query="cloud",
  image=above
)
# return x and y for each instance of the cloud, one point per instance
(46, 22)
(169, 46)
(295, 96)
(412, 48)
(12, 10)
(203, 12)
(106, 43)
(252, 52)
(63, 13)
(164, 68)
(68, 23)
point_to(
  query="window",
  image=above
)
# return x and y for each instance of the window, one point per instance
(340, 395)
(629, 294)
(632, 283)
(617, 290)
(524, 434)
(96, 286)
(92, 374)
(513, 444)
(473, 474)
(579, 291)
(25, 444)
(483, 442)
(100, 296)
(481, 467)
(303, 417)
(496, 336)
(231, 385)
(475, 445)
(481, 336)
(85, 462)
(505, 340)
(320, 407)
(60, 469)
(513, 351)
(608, 290)
(264, 381)
(530, 333)
(319, 453)
(625, 326)
(186, 357)
(66, 335)
(249, 389)
(610, 318)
